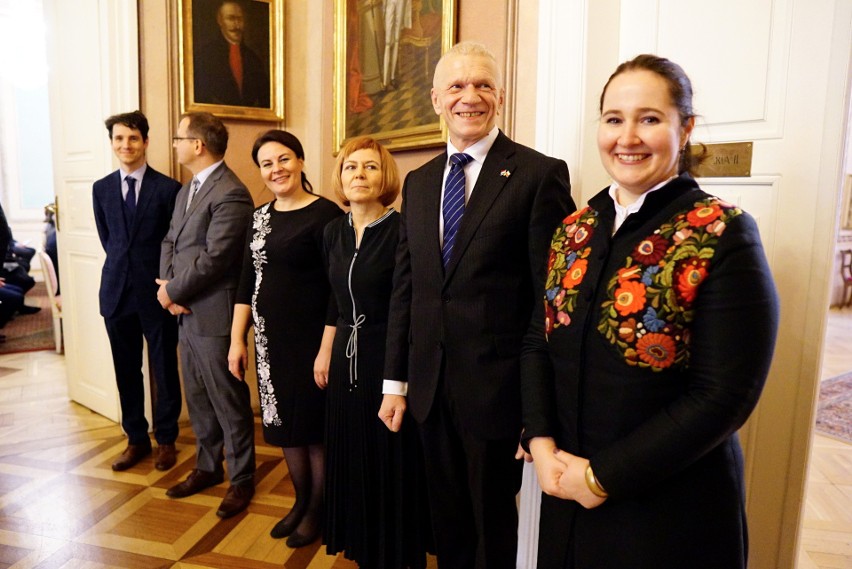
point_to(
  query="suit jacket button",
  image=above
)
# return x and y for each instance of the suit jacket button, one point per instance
(446, 299)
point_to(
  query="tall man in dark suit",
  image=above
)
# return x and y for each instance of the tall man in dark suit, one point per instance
(226, 71)
(200, 268)
(470, 263)
(133, 206)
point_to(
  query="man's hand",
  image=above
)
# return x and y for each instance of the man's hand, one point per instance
(166, 302)
(163, 294)
(177, 309)
(391, 411)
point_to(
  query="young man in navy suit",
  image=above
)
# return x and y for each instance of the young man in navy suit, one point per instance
(476, 226)
(133, 207)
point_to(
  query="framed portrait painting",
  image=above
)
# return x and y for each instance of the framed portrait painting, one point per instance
(385, 56)
(232, 58)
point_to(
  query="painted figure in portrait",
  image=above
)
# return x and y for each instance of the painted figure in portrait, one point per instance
(231, 53)
(391, 50)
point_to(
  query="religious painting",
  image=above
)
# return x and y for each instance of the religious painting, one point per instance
(232, 58)
(385, 56)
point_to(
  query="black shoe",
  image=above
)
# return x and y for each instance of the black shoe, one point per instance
(27, 309)
(287, 525)
(297, 539)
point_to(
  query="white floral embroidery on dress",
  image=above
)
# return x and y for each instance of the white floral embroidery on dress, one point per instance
(268, 401)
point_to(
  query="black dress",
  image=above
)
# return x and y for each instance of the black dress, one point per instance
(377, 511)
(284, 282)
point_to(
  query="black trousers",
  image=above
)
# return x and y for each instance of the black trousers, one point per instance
(472, 486)
(125, 329)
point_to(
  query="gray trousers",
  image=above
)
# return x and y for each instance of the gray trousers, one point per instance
(219, 407)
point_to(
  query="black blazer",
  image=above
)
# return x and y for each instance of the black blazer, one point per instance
(132, 253)
(468, 323)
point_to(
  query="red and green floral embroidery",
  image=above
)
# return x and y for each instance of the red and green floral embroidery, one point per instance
(649, 301)
(567, 266)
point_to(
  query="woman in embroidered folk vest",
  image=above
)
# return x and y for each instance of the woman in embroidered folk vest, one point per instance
(649, 350)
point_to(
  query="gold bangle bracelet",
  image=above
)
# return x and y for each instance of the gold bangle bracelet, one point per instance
(593, 483)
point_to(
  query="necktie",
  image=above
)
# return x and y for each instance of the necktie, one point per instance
(236, 60)
(130, 198)
(192, 191)
(453, 202)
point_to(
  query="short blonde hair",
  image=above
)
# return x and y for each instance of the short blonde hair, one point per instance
(390, 174)
(474, 49)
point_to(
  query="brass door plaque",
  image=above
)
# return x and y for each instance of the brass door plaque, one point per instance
(729, 159)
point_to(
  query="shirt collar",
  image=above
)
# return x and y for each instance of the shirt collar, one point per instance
(478, 150)
(637, 205)
(136, 174)
(204, 174)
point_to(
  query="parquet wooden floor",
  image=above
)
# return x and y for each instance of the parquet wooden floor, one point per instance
(61, 506)
(826, 538)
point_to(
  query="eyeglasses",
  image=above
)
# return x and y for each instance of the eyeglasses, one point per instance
(176, 138)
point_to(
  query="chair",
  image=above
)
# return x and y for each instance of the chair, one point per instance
(846, 276)
(51, 284)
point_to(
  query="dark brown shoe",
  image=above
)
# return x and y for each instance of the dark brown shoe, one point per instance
(236, 500)
(197, 481)
(131, 455)
(166, 457)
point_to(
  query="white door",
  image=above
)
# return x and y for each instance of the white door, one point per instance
(771, 72)
(87, 41)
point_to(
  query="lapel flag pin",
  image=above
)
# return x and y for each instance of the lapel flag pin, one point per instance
(505, 173)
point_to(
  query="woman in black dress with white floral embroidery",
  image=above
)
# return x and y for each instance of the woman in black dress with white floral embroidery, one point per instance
(376, 510)
(648, 351)
(284, 293)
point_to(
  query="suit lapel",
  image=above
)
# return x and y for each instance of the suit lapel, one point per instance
(201, 196)
(489, 185)
(432, 209)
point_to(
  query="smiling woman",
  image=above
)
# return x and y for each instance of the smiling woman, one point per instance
(284, 293)
(663, 295)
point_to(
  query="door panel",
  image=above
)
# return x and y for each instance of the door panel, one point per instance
(92, 54)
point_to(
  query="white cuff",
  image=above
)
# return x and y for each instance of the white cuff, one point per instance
(391, 387)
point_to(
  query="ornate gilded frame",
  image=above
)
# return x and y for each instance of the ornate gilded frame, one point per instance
(264, 34)
(401, 116)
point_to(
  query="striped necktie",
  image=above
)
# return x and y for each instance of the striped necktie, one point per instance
(453, 209)
(192, 191)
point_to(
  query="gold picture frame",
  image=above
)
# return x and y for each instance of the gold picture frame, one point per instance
(207, 70)
(385, 92)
